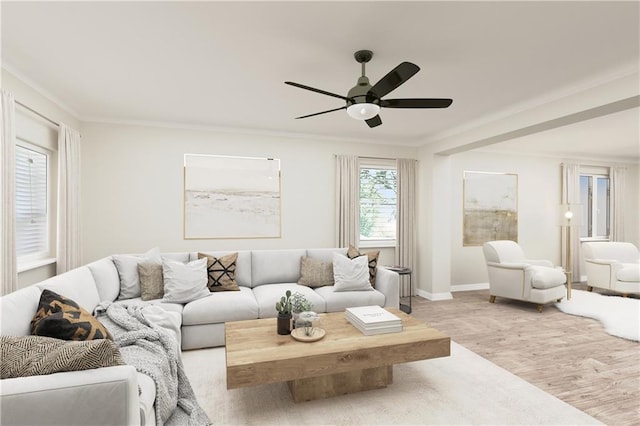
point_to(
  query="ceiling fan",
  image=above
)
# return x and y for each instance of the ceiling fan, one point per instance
(364, 100)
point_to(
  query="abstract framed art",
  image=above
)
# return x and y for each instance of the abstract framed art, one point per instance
(490, 207)
(231, 197)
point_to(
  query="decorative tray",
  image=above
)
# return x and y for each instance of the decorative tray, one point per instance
(298, 334)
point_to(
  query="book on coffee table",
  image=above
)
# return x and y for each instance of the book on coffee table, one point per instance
(372, 320)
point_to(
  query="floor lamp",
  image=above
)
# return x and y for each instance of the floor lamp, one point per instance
(570, 216)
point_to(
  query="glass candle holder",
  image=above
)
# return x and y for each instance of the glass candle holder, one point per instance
(309, 322)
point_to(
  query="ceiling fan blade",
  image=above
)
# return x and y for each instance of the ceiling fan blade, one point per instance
(394, 78)
(313, 89)
(416, 103)
(323, 112)
(375, 121)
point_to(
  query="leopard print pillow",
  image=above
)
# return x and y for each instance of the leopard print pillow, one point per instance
(62, 318)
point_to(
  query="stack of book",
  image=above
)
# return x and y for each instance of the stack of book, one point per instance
(373, 320)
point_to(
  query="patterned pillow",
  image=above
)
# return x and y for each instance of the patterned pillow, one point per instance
(353, 252)
(221, 272)
(151, 282)
(37, 355)
(62, 318)
(315, 273)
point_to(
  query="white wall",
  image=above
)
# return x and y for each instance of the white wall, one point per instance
(132, 186)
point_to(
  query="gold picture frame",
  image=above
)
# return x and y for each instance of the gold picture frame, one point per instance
(231, 197)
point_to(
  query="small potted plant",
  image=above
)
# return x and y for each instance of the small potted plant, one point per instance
(299, 303)
(284, 313)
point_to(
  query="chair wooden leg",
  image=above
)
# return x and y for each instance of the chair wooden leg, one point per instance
(624, 294)
(539, 308)
(492, 299)
(589, 288)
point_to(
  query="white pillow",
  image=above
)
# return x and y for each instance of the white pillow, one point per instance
(351, 274)
(127, 266)
(184, 282)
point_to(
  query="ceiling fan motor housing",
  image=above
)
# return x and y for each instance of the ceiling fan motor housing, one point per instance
(360, 92)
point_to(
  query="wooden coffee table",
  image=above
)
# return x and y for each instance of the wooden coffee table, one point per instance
(344, 361)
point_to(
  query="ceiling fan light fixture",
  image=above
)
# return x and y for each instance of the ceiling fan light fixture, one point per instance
(363, 111)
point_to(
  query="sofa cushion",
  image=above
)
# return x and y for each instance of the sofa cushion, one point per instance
(275, 266)
(338, 301)
(351, 274)
(62, 318)
(543, 277)
(220, 307)
(105, 275)
(315, 273)
(37, 355)
(325, 254)
(127, 266)
(268, 295)
(151, 281)
(184, 282)
(372, 258)
(76, 284)
(630, 272)
(221, 272)
(16, 311)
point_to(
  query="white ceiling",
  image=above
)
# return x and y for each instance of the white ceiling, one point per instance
(223, 64)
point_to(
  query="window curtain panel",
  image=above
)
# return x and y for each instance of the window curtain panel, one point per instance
(68, 250)
(347, 200)
(616, 198)
(571, 195)
(406, 208)
(8, 267)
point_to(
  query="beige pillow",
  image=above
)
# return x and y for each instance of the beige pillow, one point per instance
(37, 355)
(372, 256)
(151, 281)
(315, 273)
(221, 272)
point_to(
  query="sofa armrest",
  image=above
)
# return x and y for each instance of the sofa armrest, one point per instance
(388, 283)
(101, 396)
(520, 266)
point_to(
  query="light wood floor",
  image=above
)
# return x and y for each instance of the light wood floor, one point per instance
(570, 357)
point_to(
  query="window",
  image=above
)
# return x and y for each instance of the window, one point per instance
(594, 197)
(32, 203)
(378, 194)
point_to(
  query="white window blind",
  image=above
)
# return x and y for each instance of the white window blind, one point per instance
(378, 203)
(31, 203)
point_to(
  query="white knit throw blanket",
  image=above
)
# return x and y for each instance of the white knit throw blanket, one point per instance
(153, 351)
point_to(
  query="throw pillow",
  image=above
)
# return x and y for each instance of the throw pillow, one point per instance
(372, 257)
(37, 355)
(221, 272)
(350, 274)
(184, 282)
(62, 318)
(151, 282)
(127, 266)
(315, 273)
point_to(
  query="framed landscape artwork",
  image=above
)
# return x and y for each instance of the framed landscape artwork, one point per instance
(490, 207)
(231, 197)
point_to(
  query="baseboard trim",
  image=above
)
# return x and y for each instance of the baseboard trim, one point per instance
(435, 296)
(469, 287)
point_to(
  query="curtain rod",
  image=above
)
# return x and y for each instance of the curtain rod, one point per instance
(37, 113)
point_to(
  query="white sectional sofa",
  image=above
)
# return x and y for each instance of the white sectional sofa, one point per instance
(109, 396)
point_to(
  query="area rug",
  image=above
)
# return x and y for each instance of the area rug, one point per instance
(463, 388)
(620, 316)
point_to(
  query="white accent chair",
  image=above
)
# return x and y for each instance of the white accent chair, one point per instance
(513, 276)
(613, 266)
